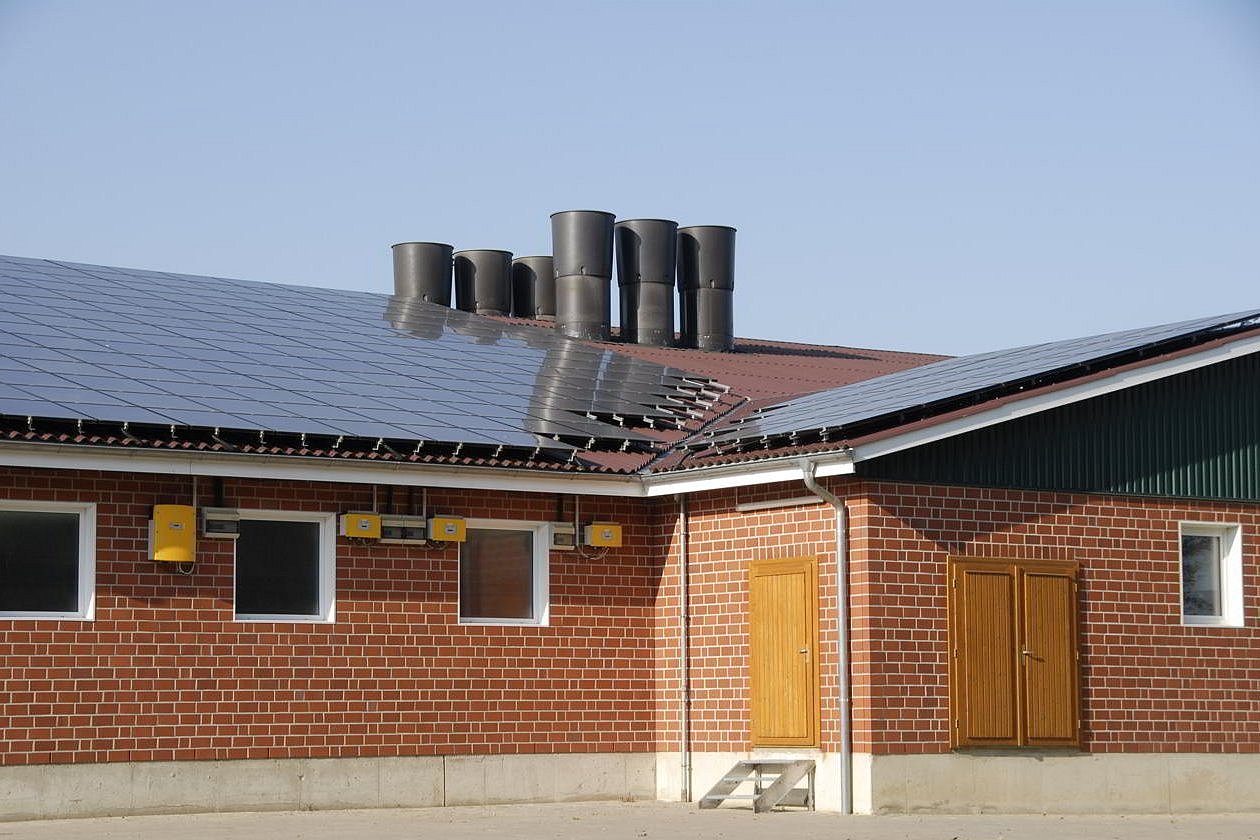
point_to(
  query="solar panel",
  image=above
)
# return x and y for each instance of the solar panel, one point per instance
(951, 378)
(122, 345)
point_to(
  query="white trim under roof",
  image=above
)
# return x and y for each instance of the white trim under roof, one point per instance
(288, 468)
(643, 485)
(1015, 409)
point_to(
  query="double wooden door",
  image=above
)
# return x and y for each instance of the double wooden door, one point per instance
(1013, 654)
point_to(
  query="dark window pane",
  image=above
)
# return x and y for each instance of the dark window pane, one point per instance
(496, 574)
(39, 561)
(1200, 575)
(277, 568)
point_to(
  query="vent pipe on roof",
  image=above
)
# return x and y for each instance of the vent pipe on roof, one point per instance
(706, 286)
(483, 281)
(534, 288)
(423, 270)
(582, 248)
(647, 252)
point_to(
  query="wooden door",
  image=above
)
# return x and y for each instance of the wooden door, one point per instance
(783, 652)
(1013, 662)
(986, 674)
(1048, 651)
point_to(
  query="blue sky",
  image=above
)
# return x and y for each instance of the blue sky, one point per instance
(948, 177)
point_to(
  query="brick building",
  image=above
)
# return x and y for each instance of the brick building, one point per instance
(1019, 581)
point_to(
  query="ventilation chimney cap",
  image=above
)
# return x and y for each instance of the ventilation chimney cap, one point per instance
(706, 257)
(422, 270)
(436, 244)
(483, 281)
(596, 212)
(582, 243)
(534, 287)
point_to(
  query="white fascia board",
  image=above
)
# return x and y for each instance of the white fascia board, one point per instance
(1015, 409)
(289, 468)
(225, 465)
(745, 474)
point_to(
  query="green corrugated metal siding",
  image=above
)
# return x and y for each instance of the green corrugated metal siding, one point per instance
(1196, 435)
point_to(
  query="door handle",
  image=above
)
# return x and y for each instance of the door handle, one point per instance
(1027, 652)
(803, 650)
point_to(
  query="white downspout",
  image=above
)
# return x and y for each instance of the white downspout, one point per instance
(684, 641)
(842, 622)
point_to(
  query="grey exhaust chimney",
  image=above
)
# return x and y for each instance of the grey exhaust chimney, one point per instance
(706, 286)
(534, 288)
(423, 270)
(582, 247)
(483, 281)
(647, 252)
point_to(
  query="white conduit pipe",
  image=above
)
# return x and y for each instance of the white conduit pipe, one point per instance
(842, 643)
(684, 636)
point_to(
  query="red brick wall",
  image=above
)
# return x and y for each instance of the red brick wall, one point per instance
(1149, 683)
(722, 542)
(163, 672)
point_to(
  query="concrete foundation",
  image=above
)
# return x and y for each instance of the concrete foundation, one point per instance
(161, 787)
(1006, 783)
(952, 783)
(1047, 783)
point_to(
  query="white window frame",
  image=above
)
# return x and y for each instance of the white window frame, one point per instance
(327, 566)
(1230, 535)
(87, 557)
(542, 571)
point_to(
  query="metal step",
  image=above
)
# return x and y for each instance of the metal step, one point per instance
(785, 772)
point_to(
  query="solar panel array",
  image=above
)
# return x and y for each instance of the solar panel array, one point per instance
(921, 386)
(83, 342)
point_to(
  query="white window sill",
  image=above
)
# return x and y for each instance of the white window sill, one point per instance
(38, 616)
(282, 619)
(1209, 621)
(502, 622)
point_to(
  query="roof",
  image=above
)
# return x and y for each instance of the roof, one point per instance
(112, 357)
(933, 390)
(776, 370)
(215, 362)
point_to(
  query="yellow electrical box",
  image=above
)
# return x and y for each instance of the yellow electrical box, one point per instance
(364, 525)
(448, 529)
(602, 535)
(173, 534)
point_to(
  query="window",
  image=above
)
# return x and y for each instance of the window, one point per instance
(47, 560)
(285, 566)
(1211, 574)
(503, 573)
(1012, 641)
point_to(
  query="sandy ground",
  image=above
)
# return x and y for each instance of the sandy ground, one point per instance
(653, 821)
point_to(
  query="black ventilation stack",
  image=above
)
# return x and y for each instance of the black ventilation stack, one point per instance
(534, 288)
(706, 286)
(422, 270)
(647, 252)
(483, 281)
(582, 248)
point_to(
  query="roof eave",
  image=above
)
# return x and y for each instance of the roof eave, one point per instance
(296, 468)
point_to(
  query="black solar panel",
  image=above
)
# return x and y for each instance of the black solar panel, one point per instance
(83, 342)
(950, 378)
